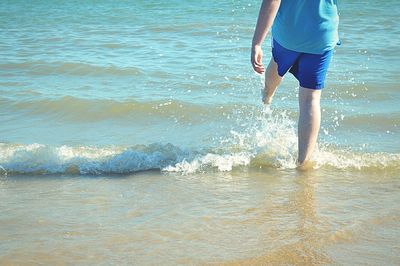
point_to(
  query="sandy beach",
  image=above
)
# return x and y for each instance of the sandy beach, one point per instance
(253, 218)
(133, 133)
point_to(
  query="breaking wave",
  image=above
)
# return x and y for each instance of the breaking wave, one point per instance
(270, 143)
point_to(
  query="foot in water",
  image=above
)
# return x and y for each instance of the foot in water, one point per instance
(305, 166)
(265, 99)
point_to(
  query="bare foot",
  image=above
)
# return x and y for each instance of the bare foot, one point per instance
(265, 99)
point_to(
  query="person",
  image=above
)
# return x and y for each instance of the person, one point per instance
(304, 34)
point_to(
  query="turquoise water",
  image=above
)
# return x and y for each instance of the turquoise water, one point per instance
(132, 132)
(112, 75)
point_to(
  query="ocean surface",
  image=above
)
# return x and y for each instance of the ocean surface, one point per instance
(134, 132)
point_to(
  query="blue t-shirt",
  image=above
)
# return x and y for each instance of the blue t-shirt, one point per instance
(308, 26)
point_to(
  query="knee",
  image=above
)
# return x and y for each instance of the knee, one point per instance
(309, 95)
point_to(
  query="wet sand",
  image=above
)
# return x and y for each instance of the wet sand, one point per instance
(238, 218)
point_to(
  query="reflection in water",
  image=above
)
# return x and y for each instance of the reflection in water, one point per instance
(308, 249)
(256, 218)
(295, 229)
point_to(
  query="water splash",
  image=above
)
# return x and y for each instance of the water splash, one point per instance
(269, 141)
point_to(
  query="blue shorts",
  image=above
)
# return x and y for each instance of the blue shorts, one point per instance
(309, 69)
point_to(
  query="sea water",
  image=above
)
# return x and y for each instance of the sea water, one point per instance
(93, 93)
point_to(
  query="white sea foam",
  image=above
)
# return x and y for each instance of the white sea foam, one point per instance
(222, 162)
(269, 141)
(38, 158)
